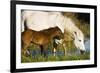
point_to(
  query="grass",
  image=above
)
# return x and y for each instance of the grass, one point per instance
(39, 58)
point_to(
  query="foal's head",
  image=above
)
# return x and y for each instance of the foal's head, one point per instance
(56, 33)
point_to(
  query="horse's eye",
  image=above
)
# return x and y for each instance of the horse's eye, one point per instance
(80, 40)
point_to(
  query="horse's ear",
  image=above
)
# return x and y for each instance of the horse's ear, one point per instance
(75, 32)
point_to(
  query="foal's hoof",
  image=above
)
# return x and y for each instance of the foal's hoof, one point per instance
(28, 53)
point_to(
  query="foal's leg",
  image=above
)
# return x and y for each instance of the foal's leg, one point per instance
(43, 50)
(25, 50)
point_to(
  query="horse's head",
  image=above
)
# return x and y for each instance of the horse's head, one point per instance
(76, 33)
(79, 41)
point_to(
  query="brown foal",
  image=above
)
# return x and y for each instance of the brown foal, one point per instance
(41, 38)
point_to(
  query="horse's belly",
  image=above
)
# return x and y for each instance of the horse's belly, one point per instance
(41, 20)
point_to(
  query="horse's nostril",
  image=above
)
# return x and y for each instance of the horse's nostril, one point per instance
(82, 52)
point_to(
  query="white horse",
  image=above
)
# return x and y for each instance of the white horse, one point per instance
(39, 20)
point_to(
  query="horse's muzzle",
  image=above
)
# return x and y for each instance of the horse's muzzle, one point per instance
(82, 52)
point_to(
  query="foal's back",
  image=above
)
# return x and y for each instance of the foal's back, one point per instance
(44, 36)
(55, 31)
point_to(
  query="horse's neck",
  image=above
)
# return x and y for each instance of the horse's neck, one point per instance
(73, 31)
(70, 27)
(60, 21)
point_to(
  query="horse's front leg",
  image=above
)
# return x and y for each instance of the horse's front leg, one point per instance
(54, 51)
(54, 48)
(64, 45)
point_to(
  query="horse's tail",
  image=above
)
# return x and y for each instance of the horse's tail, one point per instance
(25, 25)
(24, 22)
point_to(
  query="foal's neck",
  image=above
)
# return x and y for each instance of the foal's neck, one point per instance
(52, 32)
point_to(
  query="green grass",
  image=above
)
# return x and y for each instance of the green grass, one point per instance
(51, 58)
